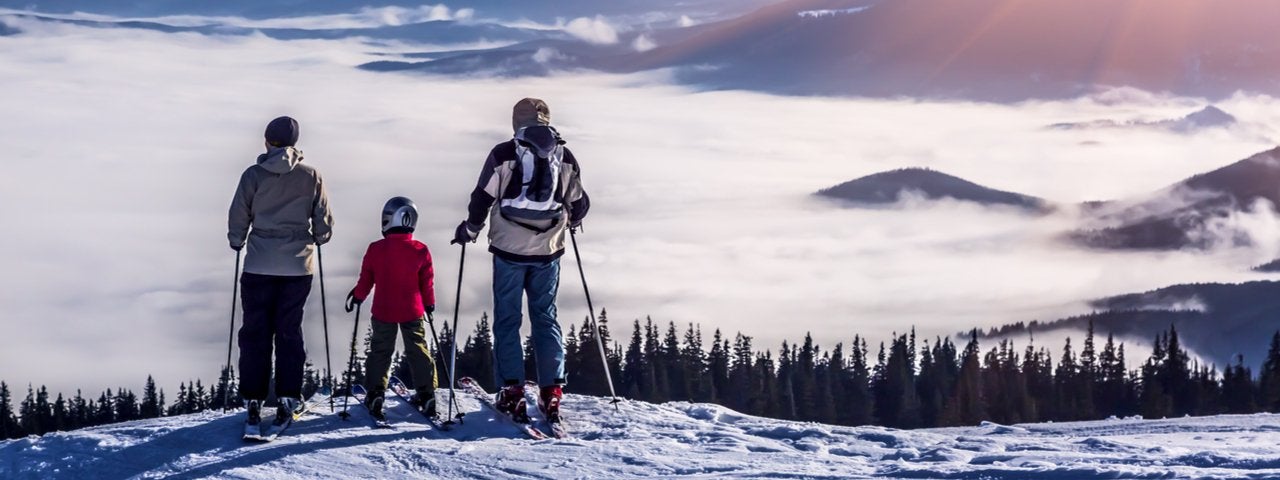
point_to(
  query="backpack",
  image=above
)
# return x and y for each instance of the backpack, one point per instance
(534, 192)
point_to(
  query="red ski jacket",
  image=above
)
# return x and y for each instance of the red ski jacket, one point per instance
(401, 269)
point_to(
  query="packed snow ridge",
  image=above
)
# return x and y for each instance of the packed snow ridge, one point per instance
(830, 12)
(646, 440)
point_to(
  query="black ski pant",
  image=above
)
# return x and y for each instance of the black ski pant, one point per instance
(272, 318)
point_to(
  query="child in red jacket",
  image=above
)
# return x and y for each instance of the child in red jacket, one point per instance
(400, 268)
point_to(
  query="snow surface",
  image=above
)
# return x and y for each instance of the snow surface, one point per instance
(647, 440)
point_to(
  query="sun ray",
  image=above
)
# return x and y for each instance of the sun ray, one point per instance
(996, 15)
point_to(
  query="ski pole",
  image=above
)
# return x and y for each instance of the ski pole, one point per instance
(231, 335)
(453, 342)
(351, 365)
(324, 312)
(594, 326)
(435, 347)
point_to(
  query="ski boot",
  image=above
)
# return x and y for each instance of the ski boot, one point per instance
(511, 402)
(550, 403)
(373, 402)
(425, 401)
(285, 411)
(254, 408)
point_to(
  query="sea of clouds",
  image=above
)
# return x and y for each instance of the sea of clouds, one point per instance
(122, 149)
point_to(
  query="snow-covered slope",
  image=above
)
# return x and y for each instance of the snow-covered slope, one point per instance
(646, 440)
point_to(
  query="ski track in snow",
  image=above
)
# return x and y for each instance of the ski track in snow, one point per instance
(645, 441)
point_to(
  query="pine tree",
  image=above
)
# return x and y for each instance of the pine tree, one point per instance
(179, 406)
(968, 407)
(61, 415)
(310, 385)
(1037, 374)
(767, 401)
(858, 385)
(80, 411)
(1269, 378)
(655, 364)
(740, 372)
(1238, 389)
(150, 407)
(1177, 376)
(718, 368)
(832, 392)
(1088, 381)
(825, 396)
(9, 427)
(695, 359)
(1109, 397)
(127, 405)
(928, 388)
(28, 415)
(896, 402)
(531, 367)
(633, 373)
(105, 413)
(677, 378)
(226, 382)
(44, 410)
(590, 375)
(787, 360)
(478, 354)
(1067, 386)
(1155, 401)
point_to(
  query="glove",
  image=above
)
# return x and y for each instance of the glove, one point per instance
(464, 234)
(430, 309)
(352, 301)
(237, 247)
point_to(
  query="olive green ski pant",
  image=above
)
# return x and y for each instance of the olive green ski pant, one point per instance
(382, 346)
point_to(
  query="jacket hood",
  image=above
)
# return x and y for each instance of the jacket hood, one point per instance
(543, 139)
(280, 160)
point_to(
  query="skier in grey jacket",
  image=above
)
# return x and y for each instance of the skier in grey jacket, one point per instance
(281, 212)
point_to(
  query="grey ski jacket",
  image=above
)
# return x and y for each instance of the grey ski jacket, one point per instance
(282, 209)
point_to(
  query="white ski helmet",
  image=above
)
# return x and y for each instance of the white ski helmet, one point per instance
(399, 212)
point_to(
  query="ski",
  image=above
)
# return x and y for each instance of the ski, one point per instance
(533, 396)
(471, 387)
(360, 394)
(272, 431)
(397, 387)
(252, 433)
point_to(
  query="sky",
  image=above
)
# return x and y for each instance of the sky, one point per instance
(123, 148)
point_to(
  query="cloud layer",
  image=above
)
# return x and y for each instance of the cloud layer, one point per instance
(366, 17)
(126, 146)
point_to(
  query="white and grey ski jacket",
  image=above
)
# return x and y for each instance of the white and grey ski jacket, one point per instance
(536, 184)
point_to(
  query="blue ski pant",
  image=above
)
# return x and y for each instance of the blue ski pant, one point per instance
(272, 322)
(539, 282)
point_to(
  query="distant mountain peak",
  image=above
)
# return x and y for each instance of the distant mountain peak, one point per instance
(1208, 117)
(1199, 212)
(891, 186)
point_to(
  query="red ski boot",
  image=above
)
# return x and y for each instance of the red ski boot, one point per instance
(550, 403)
(511, 402)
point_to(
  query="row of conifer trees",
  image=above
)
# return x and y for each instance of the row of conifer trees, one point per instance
(904, 383)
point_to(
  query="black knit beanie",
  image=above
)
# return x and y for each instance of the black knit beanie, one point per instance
(282, 132)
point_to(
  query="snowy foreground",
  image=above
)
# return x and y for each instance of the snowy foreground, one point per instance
(646, 440)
